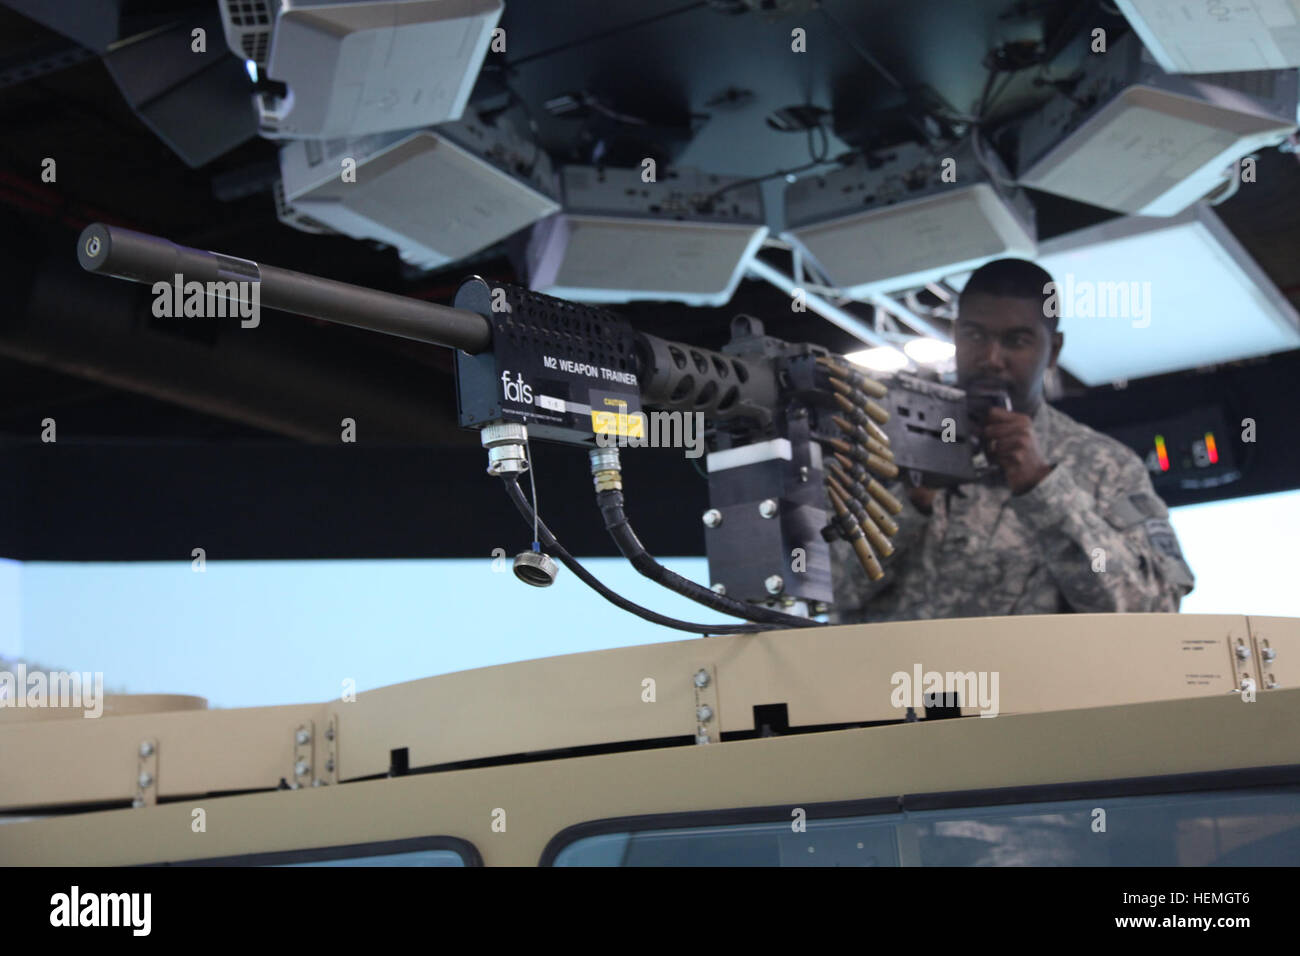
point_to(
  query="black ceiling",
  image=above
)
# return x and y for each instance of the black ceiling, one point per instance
(166, 437)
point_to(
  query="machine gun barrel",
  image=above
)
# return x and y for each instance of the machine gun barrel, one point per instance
(112, 251)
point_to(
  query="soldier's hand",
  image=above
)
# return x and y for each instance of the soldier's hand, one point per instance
(1009, 438)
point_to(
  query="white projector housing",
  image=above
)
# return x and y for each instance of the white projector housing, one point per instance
(1151, 143)
(620, 239)
(435, 195)
(247, 25)
(1140, 296)
(901, 225)
(354, 67)
(1218, 37)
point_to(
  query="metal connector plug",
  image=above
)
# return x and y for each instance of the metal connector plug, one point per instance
(506, 444)
(606, 469)
(536, 568)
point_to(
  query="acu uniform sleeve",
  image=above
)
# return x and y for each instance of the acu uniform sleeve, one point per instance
(1114, 551)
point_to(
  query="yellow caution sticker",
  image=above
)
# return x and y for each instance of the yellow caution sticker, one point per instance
(618, 423)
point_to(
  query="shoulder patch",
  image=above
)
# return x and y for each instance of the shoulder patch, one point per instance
(1165, 543)
(1163, 539)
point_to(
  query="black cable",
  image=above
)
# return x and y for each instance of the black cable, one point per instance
(611, 508)
(976, 134)
(707, 201)
(849, 37)
(586, 577)
(613, 31)
(1004, 60)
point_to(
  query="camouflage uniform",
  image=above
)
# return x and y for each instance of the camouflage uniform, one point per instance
(986, 552)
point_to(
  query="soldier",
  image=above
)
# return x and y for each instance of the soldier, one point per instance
(1071, 524)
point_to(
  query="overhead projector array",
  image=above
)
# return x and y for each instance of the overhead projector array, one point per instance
(370, 101)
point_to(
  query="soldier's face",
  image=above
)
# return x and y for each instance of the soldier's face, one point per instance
(1003, 343)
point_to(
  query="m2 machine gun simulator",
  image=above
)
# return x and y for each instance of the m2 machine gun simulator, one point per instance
(801, 443)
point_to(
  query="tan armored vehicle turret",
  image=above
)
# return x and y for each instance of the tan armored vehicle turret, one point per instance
(1023, 740)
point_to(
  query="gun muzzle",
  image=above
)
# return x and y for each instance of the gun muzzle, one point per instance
(138, 257)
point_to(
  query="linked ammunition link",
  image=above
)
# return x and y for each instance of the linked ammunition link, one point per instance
(852, 531)
(859, 502)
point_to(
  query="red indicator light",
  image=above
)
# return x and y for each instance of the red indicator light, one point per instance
(1212, 451)
(1162, 453)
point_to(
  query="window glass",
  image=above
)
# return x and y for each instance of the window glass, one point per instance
(1259, 827)
(413, 851)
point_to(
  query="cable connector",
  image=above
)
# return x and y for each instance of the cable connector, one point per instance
(606, 469)
(506, 444)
